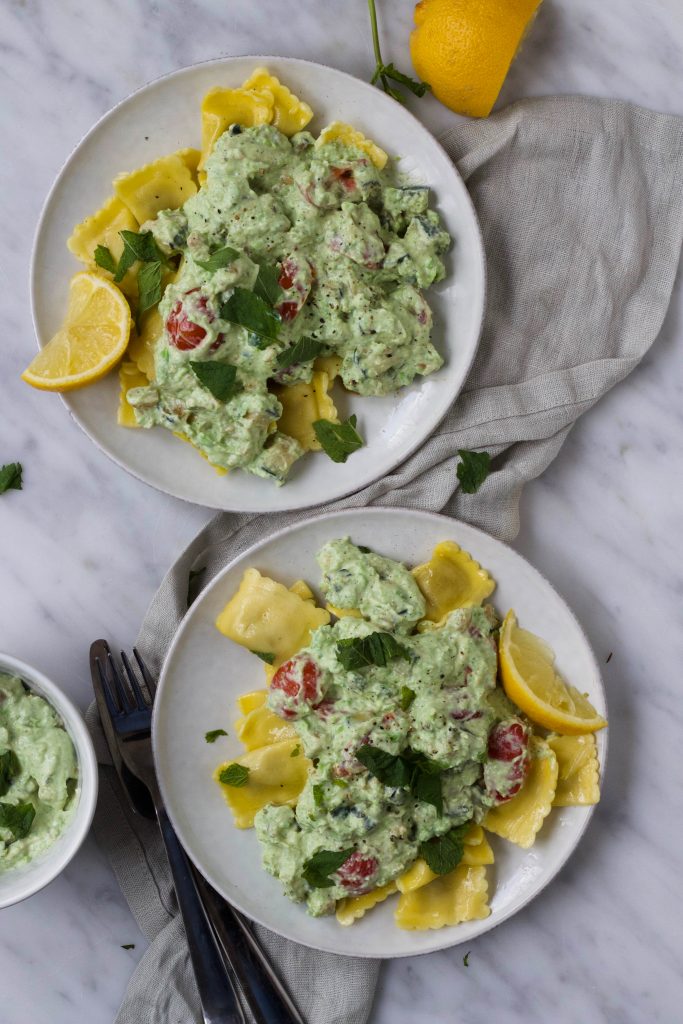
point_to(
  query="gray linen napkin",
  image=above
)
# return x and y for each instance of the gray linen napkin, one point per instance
(580, 205)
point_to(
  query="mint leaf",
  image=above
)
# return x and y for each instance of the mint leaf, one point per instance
(390, 769)
(444, 853)
(18, 818)
(218, 378)
(407, 697)
(304, 350)
(137, 247)
(322, 864)
(9, 769)
(10, 477)
(472, 470)
(248, 310)
(104, 259)
(466, 959)
(339, 440)
(376, 649)
(149, 286)
(266, 285)
(128, 945)
(234, 775)
(427, 788)
(212, 735)
(296, 751)
(219, 259)
(266, 656)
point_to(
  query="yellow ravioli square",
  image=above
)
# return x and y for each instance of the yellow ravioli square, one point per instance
(450, 899)
(223, 107)
(520, 819)
(302, 405)
(275, 777)
(578, 781)
(246, 702)
(265, 616)
(290, 114)
(338, 131)
(261, 726)
(165, 184)
(142, 345)
(477, 851)
(352, 908)
(451, 579)
(129, 377)
(102, 228)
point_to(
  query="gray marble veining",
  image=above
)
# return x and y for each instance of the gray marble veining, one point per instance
(83, 546)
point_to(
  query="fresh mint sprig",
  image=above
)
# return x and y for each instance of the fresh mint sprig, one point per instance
(385, 73)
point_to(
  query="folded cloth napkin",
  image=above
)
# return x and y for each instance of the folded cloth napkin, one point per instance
(580, 206)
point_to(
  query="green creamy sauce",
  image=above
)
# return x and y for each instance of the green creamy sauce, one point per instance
(44, 770)
(352, 251)
(451, 671)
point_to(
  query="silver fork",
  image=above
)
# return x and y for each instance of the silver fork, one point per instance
(125, 710)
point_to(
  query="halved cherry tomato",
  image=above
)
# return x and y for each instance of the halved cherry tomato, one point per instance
(508, 742)
(184, 334)
(357, 872)
(298, 679)
(344, 175)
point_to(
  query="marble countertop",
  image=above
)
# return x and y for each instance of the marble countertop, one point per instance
(84, 546)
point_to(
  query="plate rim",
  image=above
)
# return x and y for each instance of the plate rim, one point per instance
(101, 444)
(486, 924)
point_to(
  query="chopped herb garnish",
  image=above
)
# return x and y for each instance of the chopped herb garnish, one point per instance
(322, 864)
(266, 656)
(247, 309)
(296, 751)
(304, 350)
(9, 769)
(339, 440)
(466, 959)
(376, 649)
(128, 945)
(444, 853)
(104, 259)
(234, 775)
(318, 794)
(212, 735)
(18, 818)
(407, 697)
(266, 285)
(218, 259)
(472, 470)
(408, 770)
(340, 783)
(136, 247)
(218, 378)
(11, 477)
(149, 287)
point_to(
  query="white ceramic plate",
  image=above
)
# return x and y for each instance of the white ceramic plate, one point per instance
(204, 673)
(163, 117)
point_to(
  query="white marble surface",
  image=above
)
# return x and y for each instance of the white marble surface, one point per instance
(83, 546)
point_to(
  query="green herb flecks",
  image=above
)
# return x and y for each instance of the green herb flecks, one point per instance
(9, 769)
(234, 775)
(407, 697)
(444, 853)
(317, 868)
(356, 652)
(11, 477)
(218, 378)
(128, 945)
(212, 735)
(18, 818)
(304, 350)
(318, 794)
(339, 440)
(296, 751)
(466, 959)
(266, 656)
(385, 72)
(219, 259)
(247, 309)
(472, 470)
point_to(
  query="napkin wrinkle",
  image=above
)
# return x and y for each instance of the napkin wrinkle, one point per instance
(579, 202)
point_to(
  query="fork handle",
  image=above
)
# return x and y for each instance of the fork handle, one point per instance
(216, 994)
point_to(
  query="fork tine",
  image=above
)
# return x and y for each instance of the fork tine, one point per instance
(140, 699)
(112, 704)
(146, 674)
(122, 691)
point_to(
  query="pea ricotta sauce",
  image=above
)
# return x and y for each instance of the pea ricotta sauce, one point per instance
(352, 249)
(43, 773)
(451, 670)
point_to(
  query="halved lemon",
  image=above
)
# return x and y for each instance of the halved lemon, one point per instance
(527, 668)
(92, 339)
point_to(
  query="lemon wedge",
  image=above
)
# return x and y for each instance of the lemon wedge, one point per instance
(527, 668)
(92, 339)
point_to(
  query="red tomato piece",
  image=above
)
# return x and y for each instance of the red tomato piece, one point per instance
(184, 333)
(344, 175)
(357, 872)
(298, 679)
(507, 740)
(288, 310)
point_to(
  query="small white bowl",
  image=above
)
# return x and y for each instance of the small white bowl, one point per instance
(18, 883)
